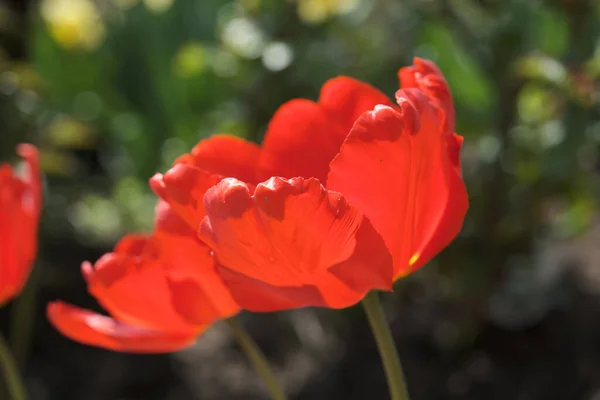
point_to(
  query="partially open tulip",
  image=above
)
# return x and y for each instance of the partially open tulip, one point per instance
(161, 291)
(345, 194)
(20, 205)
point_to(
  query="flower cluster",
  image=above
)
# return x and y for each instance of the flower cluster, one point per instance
(344, 196)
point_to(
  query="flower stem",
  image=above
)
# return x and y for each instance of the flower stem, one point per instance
(387, 348)
(257, 358)
(11, 372)
(23, 319)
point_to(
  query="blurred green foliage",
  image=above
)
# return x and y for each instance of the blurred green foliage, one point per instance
(114, 90)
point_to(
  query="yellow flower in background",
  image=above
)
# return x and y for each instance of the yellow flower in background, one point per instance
(59, 163)
(318, 11)
(73, 24)
(67, 132)
(20, 75)
(191, 59)
(158, 6)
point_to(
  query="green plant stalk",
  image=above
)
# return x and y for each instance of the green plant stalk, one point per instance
(258, 360)
(23, 320)
(11, 372)
(387, 348)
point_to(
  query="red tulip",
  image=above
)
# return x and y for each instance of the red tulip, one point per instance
(161, 290)
(20, 207)
(292, 243)
(376, 192)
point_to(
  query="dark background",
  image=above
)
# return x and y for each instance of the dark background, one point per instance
(113, 90)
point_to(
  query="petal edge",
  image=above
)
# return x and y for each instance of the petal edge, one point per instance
(97, 330)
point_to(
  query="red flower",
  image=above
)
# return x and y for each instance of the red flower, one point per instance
(292, 243)
(393, 195)
(20, 207)
(161, 290)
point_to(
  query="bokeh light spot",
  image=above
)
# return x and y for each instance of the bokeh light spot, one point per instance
(277, 56)
(243, 37)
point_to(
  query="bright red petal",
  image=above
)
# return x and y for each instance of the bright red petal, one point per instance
(304, 136)
(426, 76)
(371, 264)
(212, 159)
(451, 219)
(160, 281)
(11, 218)
(227, 156)
(291, 233)
(32, 178)
(135, 290)
(258, 296)
(398, 169)
(347, 99)
(301, 140)
(167, 220)
(183, 187)
(20, 206)
(197, 291)
(97, 330)
(284, 234)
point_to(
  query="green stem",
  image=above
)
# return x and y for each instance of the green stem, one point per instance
(257, 358)
(11, 372)
(23, 320)
(387, 348)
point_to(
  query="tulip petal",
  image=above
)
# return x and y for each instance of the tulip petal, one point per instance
(10, 212)
(304, 136)
(132, 285)
(20, 205)
(197, 291)
(451, 219)
(370, 255)
(183, 187)
(299, 141)
(32, 178)
(426, 76)
(133, 290)
(93, 329)
(258, 296)
(288, 231)
(226, 155)
(398, 169)
(168, 221)
(167, 279)
(292, 234)
(348, 99)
